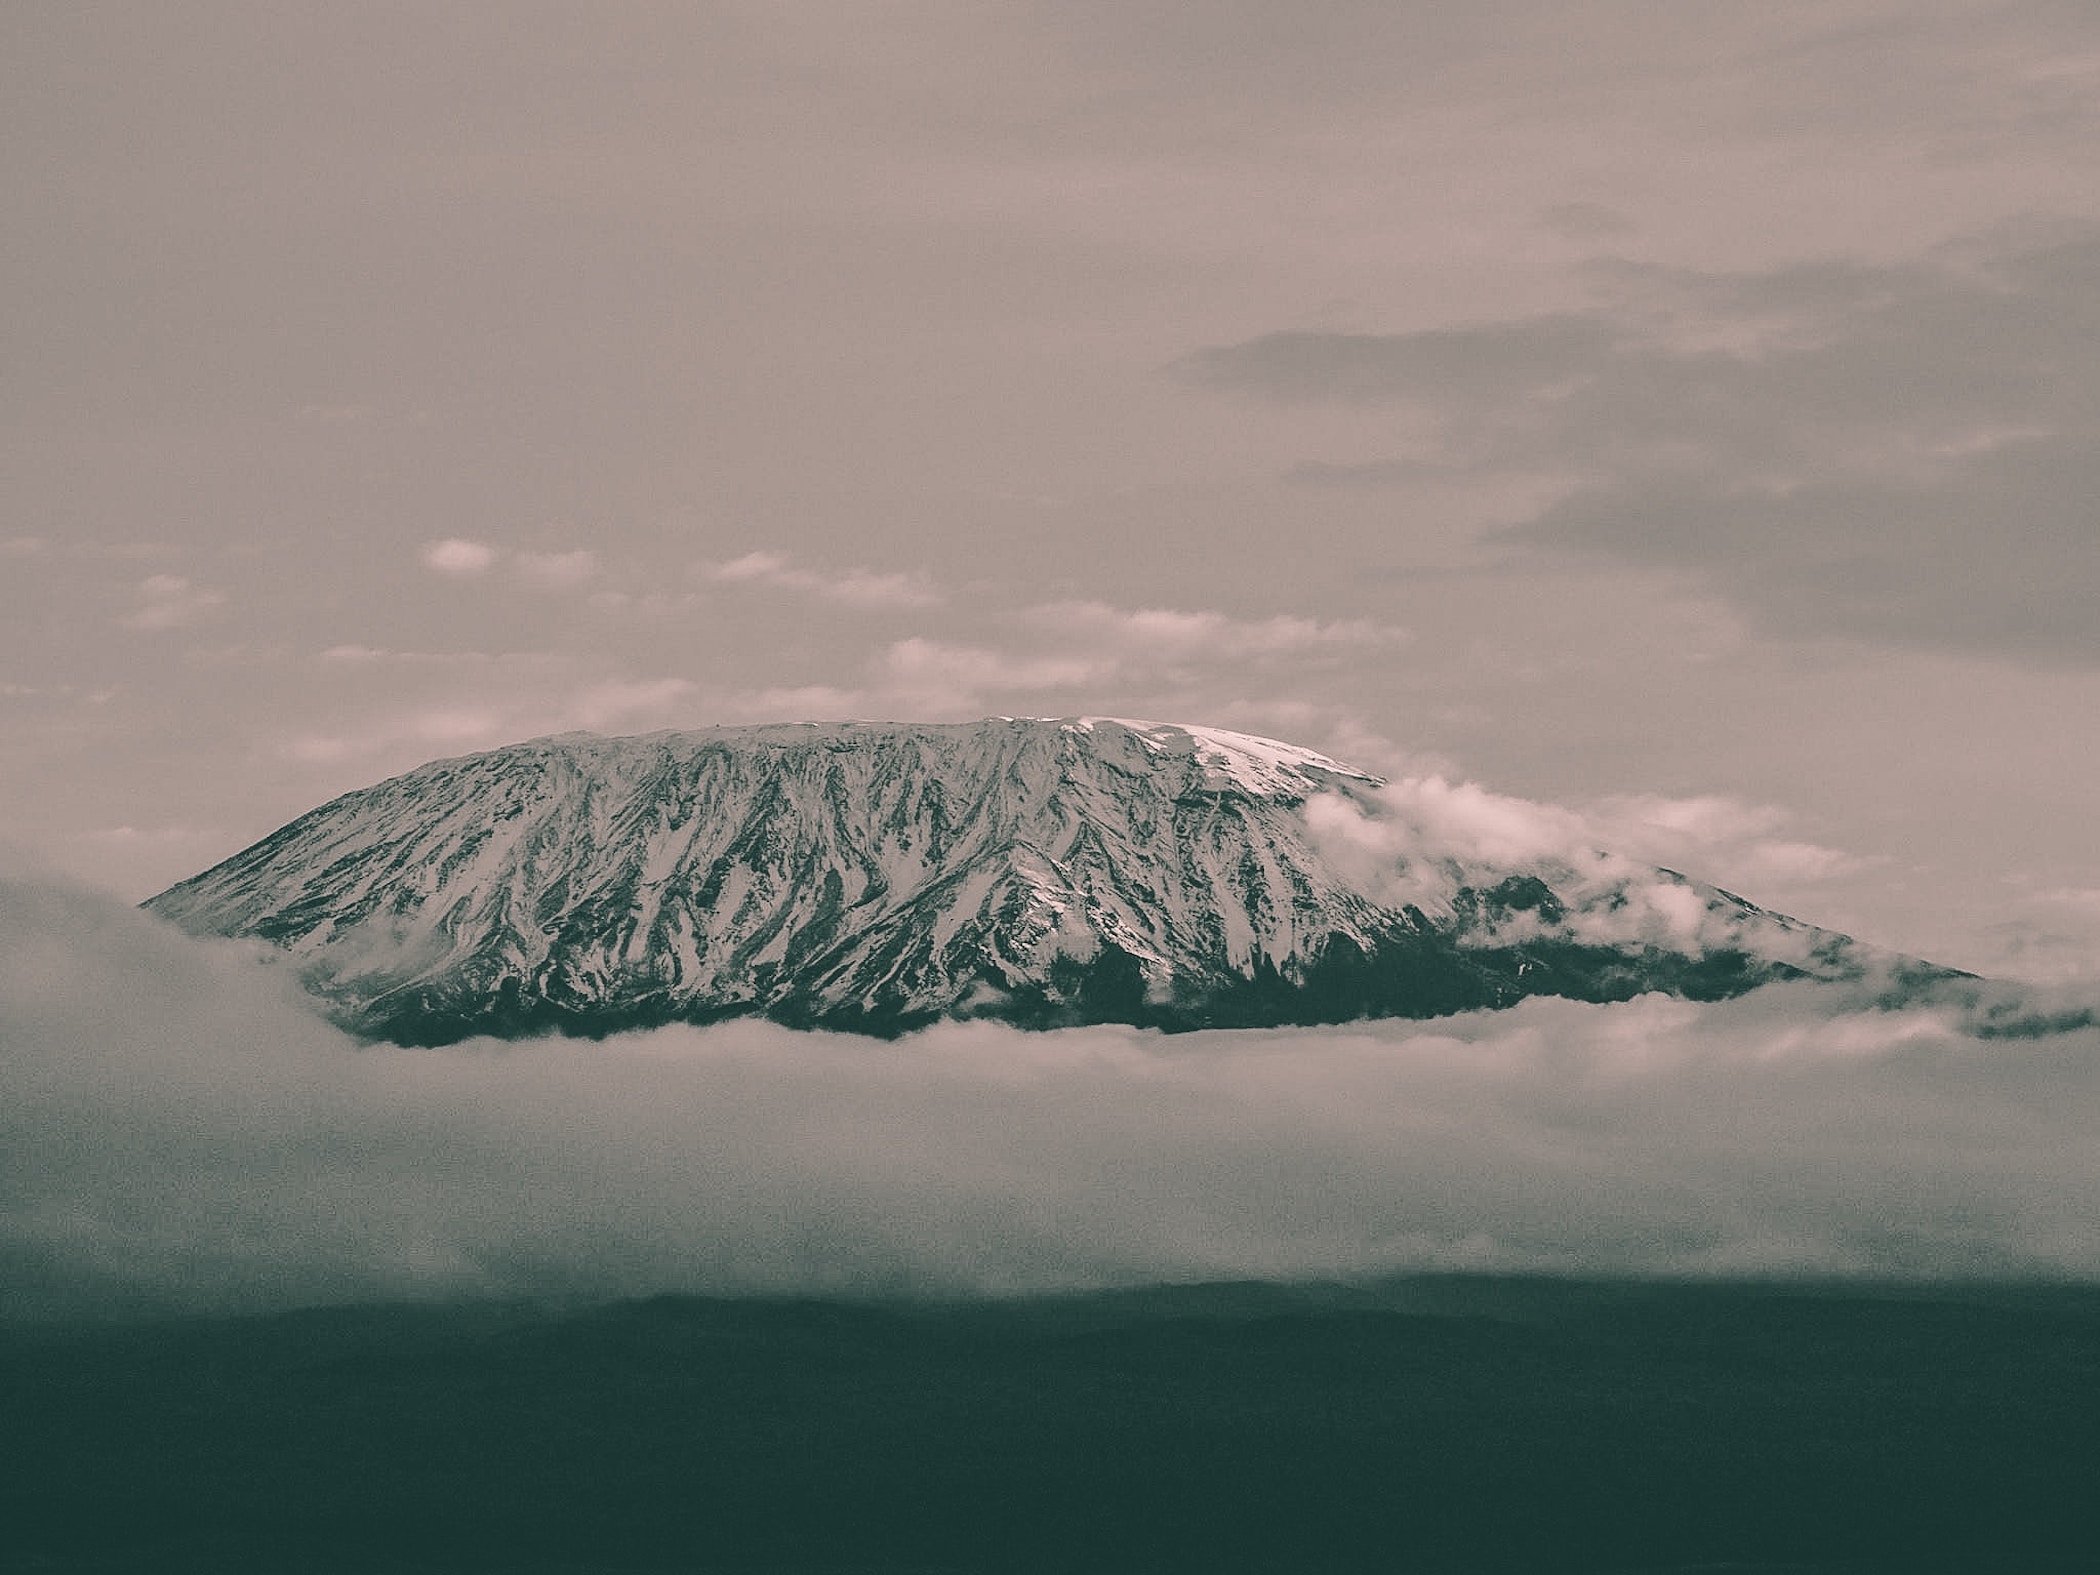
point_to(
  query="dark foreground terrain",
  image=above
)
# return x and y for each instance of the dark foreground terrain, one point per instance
(1461, 1424)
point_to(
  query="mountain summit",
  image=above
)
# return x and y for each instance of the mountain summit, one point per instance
(881, 876)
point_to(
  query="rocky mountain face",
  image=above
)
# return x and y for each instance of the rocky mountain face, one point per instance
(879, 877)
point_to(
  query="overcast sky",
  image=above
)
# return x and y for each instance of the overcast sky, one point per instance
(1681, 411)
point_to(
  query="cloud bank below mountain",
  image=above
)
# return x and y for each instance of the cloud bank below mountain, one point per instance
(179, 1130)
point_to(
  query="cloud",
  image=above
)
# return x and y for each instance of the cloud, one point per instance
(863, 588)
(1898, 452)
(168, 601)
(803, 703)
(179, 1129)
(1422, 836)
(947, 676)
(464, 559)
(1488, 362)
(1171, 635)
(2046, 952)
(557, 570)
(1079, 656)
(354, 655)
(929, 679)
(417, 703)
(1426, 838)
(438, 728)
(1995, 556)
(1088, 648)
(1744, 846)
(456, 556)
(616, 702)
(2051, 937)
(1713, 836)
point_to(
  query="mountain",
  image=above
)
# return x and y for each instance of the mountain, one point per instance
(877, 877)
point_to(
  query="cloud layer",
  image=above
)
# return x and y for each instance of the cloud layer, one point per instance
(177, 1129)
(1886, 451)
(1604, 859)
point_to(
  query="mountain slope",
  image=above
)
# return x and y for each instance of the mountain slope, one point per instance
(880, 876)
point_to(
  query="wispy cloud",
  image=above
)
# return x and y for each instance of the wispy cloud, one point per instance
(557, 570)
(1396, 844)
(2082, 898)
(2052, 936)
(1893, 451)
(962, 674)
(457, 556)
(553, 570)
(169, 601)
(1750, 847)
(1168, 634)
(1480, 364)
(409, 705)
(355, 655)
(856, 587)
(1082, 655)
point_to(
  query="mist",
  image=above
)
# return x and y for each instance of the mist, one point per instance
(178, 1130)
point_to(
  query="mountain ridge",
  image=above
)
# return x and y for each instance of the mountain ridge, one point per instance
(877, 877)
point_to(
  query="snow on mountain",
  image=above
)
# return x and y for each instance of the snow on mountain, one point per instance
(877, 876)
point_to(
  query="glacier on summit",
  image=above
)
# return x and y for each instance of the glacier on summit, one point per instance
(877, 877)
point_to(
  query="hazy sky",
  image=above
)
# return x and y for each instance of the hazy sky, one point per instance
(1682, 411)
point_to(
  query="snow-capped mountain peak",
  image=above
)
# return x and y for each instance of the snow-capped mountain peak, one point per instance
(879, 875)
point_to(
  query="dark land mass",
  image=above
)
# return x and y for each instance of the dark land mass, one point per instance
(1422, 1424)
